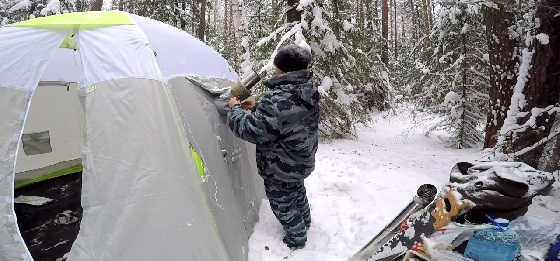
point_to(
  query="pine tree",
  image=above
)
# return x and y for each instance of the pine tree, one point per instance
(348, 79)
(451, 78)
(16, 11)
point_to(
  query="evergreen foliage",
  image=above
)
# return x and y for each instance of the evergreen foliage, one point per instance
(450, 78)
(15, 11)
(350, 81)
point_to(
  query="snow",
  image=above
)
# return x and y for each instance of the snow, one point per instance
(518, 100)
(24, 4)
(304, 3)
(359, 186)
(451, 98)
(325, 86)
(543, 38)
(347, 26)
(53, 6)
(32, 200)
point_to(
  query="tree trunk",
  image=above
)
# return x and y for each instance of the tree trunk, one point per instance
(202, 23)
(182, 22)
(96, 5)
(293, 15)
(426, 17)
(502, 69)
(542, 91)
(395, 29)
(461, 137)
(418, 22)
(376, 12)
(226, 17)
(385, 31)
(411, 3)
(121, 5)
(430, 13)
(402, 28)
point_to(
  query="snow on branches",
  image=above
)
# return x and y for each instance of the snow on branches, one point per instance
(450, 77)
(349, 80)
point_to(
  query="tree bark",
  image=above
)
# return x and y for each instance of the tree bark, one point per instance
(182, 22)
(376, 12)
(502, 69)
(427, 25)
(430, 13)
(202, 23)
(542, 90)
(96, 5)
(395, 29)
(414, 22)
(385, 31)
(402, 28)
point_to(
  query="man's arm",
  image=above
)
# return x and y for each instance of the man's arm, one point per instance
(259, 127)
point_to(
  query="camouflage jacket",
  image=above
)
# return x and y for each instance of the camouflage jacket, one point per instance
(284, 127)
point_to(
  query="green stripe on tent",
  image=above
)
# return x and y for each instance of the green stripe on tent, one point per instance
(78, 20)
(60, 173)
(199, 163)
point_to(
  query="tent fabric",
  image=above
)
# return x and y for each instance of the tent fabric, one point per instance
(151, 203)
(129, 55)
(177, 53)
(142, 195)
(231, 197)
(22, 49)
(181, 54)
(73, 21)
(13, 104)
(65, 132)
(19, 52)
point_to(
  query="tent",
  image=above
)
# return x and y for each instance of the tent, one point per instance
(163, 177)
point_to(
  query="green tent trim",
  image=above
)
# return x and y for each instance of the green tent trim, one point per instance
(60, 173)
(78, 20)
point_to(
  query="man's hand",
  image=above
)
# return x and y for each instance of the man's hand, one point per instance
(249, 104)
(233, 101)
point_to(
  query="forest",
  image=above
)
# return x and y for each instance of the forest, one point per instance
(486, 71)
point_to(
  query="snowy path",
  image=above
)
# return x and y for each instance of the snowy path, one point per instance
(358, 187)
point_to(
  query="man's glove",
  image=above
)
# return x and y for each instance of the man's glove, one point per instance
(239, 91)
(500, 189)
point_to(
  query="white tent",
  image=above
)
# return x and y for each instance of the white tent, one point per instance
(163, 178)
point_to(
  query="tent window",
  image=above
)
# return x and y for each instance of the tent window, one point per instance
(37, 143)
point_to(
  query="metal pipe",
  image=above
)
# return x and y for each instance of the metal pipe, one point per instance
(424, 195)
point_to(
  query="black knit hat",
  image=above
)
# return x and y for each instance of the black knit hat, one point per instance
(292, 58)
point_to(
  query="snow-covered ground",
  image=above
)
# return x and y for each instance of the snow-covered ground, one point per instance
(359, 186)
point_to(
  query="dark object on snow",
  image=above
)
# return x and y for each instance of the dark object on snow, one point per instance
(292, 58)
(49, 230)
(554, 252)
(504, 189)
(405, 230)
(424, 195)
(500, 189)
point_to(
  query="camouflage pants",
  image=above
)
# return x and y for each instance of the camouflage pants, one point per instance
(289, 204)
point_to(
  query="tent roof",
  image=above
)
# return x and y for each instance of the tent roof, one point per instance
(78, 20)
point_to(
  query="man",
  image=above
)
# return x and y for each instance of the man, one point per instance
(284, 128)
